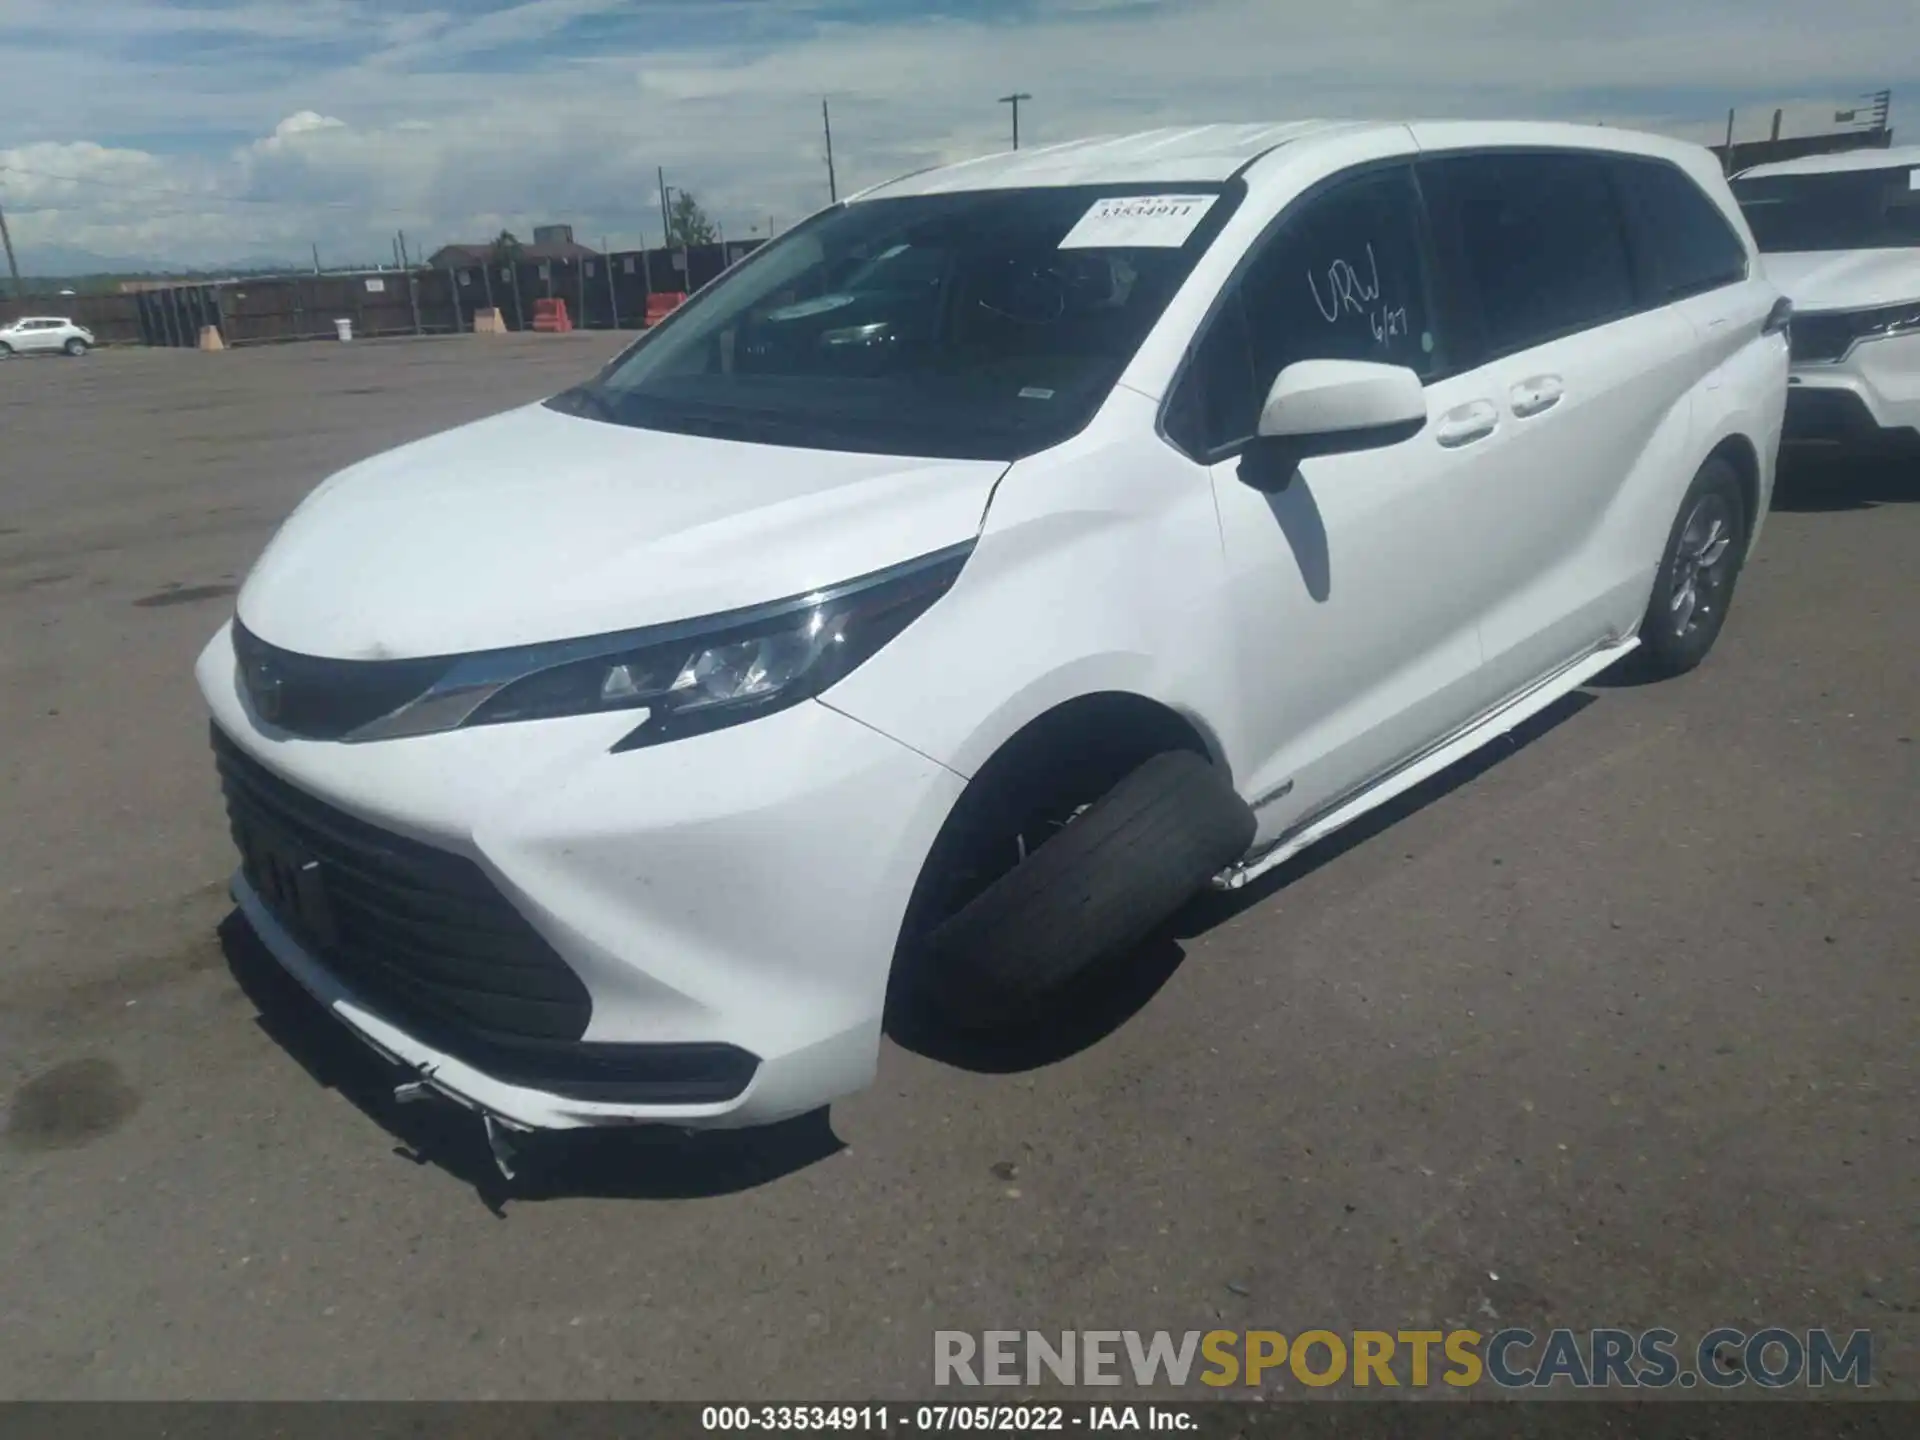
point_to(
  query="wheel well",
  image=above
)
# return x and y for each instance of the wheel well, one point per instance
(1077, 750)
(1096, 731)
(1738, 452)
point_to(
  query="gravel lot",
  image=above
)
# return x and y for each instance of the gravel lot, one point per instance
(1625, 1015)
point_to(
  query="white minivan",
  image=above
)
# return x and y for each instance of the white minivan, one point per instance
(1840, 234)
(959, 584)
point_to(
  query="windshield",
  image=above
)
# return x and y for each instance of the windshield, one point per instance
(1838, 210)
(986, 324)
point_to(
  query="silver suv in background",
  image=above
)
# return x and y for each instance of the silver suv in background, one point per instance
(1840, 235)
(48, 334)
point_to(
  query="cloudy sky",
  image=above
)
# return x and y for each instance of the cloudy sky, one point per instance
(210, 130)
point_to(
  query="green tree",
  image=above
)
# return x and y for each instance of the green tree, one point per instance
(687, 223)
(506, 248)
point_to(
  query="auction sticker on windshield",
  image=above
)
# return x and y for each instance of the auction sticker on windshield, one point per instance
(1154, 221)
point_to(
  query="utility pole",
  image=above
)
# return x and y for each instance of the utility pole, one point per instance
(666, 223)
(833, 184)
(1882, 102)
(1726, 162)
(316, 257)
(613, 299)
(1014, 101)
(13, 266)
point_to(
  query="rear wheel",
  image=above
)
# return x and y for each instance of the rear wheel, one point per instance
(1702, 562)
(6, 351)
(1040, 884)
(76, 346)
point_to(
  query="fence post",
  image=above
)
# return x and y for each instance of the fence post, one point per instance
(406, 272)
(581, 266)
(613, 296)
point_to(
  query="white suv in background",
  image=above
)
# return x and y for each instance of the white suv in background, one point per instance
(936, 627)
(1841, 236)
(44, 333)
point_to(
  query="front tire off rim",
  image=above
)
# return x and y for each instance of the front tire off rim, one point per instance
(1703, 563)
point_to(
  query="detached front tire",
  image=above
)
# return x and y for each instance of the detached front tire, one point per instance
(1698, 571)
(1094, 889)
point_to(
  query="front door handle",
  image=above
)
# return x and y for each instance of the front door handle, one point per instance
(1537, 394)
(1467, 423)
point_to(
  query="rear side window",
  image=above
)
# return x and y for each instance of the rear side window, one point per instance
(1535, 242)
(1342, 278)
(1689, 246)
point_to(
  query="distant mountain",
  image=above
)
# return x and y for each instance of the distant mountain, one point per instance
(73, 260)
(63, 260)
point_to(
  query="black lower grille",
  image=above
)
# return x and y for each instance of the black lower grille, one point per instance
(425, 938)
(1821, 337)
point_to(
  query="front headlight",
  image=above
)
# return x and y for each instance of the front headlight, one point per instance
(685, 679)
(1889, 320)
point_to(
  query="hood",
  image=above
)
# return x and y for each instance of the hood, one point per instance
(535, 526)
(1845, 279)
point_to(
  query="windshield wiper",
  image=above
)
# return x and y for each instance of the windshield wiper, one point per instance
(585, 400)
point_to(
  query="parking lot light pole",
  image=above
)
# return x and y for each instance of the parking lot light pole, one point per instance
(1014, 101)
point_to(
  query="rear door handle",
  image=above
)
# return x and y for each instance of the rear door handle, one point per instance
(1537, 394)
(1467, 423)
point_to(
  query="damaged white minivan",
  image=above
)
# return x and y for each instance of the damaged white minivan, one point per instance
(958, 585)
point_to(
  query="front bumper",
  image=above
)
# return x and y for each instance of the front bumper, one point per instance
(724, 900)
(1873, 392)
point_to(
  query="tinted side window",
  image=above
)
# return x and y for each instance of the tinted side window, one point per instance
(1689, 242)
(1538, 241)
(1343, 278)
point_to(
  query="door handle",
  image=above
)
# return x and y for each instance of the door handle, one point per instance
(1467, 423)
(1537, 395)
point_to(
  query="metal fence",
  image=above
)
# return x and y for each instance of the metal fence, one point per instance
(602, 292)
(1745, 154)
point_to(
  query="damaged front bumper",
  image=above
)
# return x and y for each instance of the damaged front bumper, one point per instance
(516, 1106)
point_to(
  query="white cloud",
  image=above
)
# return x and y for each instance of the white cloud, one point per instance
(304, 123)
(413, 117)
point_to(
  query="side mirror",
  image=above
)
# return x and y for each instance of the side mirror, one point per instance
(1332, 407)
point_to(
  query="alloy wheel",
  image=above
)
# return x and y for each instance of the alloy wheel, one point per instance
(1703, 565)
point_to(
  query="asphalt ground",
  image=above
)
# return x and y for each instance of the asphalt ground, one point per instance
(1614, 1025)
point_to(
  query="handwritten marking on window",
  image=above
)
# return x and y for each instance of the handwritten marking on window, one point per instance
(1352, 291)
(1388, 323)
(1351, 294)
